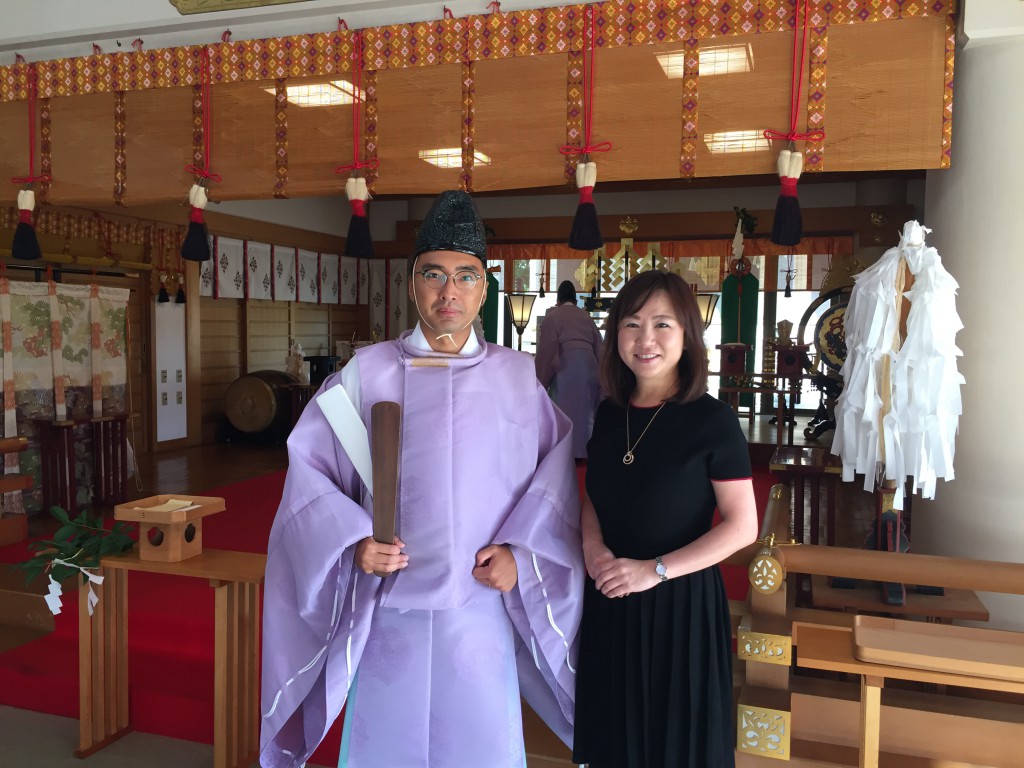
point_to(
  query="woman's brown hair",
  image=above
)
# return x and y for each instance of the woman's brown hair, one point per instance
(617, 379)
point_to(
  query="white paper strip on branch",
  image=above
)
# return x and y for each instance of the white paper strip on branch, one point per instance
(377, 290)
(349, 279)
(258, 262)
(364, 281)
(329, 279)
(398, 300)
(230, 268)
(284, 274)
(901, 425)
(206, 269)
(308, 276)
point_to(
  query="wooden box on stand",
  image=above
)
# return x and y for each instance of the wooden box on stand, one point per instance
(170, 524)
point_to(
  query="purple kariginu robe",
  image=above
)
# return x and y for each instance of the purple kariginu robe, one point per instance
(485, 458)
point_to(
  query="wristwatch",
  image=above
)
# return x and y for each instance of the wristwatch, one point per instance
(660, 569)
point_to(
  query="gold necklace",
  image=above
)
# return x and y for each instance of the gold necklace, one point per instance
(628, 458)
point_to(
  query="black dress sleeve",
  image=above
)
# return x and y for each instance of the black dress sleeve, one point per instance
(729, 458)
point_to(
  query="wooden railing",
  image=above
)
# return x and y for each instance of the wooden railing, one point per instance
(821, 720)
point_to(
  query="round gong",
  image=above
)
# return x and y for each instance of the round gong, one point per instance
(251, 402)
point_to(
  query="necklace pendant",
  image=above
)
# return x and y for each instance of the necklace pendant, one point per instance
(628, 458)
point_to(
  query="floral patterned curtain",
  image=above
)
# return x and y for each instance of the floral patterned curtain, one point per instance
(64, 358)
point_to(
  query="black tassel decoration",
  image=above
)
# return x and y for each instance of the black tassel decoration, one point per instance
(358, 242)
(161, 296)
(25, 244)
(196, 246)
(180, 296)
(586, 231)
(788, 224)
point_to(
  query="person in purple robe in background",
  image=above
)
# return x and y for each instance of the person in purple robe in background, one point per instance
(567, 356)
(483, 595)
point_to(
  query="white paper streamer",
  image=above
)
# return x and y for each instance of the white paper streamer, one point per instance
(53, 596)
(916, 438)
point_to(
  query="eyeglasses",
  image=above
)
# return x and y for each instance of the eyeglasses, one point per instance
(465, 279)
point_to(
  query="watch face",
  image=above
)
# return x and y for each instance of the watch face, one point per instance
(660, 569)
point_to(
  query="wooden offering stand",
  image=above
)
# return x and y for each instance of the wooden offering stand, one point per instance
(171, 543)
(170, 524)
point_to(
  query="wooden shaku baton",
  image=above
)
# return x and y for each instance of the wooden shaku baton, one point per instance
(385, 434)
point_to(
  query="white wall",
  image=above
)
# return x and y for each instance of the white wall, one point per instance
(318, 214)
(984, 19)
(674, 201)
(331, 214)
(974, 209)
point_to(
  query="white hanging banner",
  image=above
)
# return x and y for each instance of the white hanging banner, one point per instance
(258, 257)
(308, 276)
(398, 297)
(364, 280)
(377, 291)
(349, 279)
(230, 268)
(330, 284)
(206, 271)
(284, 274)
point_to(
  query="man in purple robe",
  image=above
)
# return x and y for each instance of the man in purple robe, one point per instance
(482, 599)
(568, 355)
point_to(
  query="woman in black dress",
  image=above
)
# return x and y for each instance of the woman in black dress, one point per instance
(654, 681)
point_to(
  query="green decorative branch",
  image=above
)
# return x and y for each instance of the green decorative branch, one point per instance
(80, 541)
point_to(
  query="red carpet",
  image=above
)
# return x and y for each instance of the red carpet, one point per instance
(170, 630)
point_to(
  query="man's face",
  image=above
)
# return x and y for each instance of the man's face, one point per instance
(449, 307)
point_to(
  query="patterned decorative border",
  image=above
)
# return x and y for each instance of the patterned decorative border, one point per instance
(197, 126)
(689, 102)
(120, 149)
(51, 222)
(45, 150)
(573, 111)
(281, 136)
(817, 44)
(468, 116)
(370, 125)
(490, 36)
(947, 94)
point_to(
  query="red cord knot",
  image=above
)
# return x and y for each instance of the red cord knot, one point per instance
(588, 149)
(203, 173)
